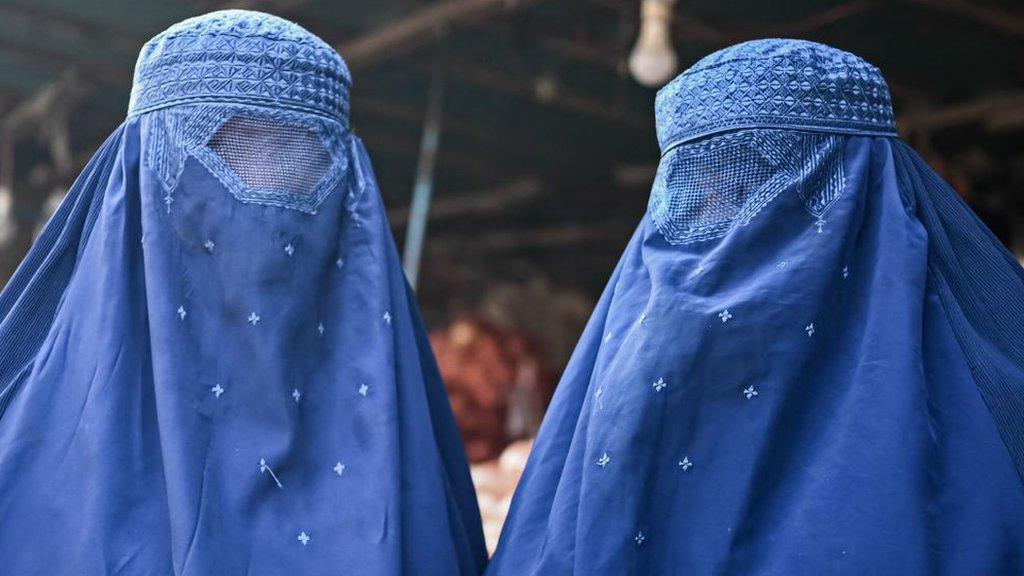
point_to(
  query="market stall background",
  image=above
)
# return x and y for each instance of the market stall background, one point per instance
(515, 147)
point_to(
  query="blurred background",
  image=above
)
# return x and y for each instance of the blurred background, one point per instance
(514, 144)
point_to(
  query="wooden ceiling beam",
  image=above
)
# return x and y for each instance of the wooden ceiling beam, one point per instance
(422, 25)
(59, 23)
(102, 73)
(35, 109)
(689, 27)
(559, 96)
(477, 203)
(995, 112)
(995, 18)
(482, 133)
(468, 163)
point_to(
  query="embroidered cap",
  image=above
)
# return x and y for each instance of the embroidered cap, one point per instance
(774, 83)
(243, 57)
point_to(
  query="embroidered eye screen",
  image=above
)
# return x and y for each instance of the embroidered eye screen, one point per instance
(262, 155)
(271, 156)
(705, 188)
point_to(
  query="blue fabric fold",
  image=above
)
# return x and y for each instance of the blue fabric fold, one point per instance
(808, 360)
(201, 374)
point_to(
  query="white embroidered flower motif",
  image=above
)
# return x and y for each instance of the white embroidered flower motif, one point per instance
(340, 262)
(339, 468)
(296, 394)
(659, 384)
(320, 328)
(181, 312)
(217, 390)
(639, 538)
(685, 463)
(264, 467)
(643, 317)
(289, 249)
(809, 329)
(846, 272)
(253, 318)
(209, 245)
(749, 392)
(820, 225)
(387, 318)
(304, 538)
(725, 315)
(603, 460)
(363, 389)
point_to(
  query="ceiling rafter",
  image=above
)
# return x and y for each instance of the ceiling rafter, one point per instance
(995, 18)
(453, 124)
(419, 27)
(560, 97)
(44, 21)
(102, 73)
(1003, 111)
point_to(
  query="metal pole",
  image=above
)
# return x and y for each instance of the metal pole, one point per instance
(424, 186)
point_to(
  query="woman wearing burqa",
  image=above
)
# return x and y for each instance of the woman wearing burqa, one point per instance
(210, 362)
(809, 359)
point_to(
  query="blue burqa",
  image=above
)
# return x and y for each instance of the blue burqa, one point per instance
(210, 362)
(809, 360)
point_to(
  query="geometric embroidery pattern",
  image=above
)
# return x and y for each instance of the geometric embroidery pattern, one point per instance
(792, 84)
(244, 57)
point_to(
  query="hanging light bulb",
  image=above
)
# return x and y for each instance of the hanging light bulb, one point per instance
(653, 60)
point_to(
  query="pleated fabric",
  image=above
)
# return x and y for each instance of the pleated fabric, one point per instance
(807, 361)
(210, 361)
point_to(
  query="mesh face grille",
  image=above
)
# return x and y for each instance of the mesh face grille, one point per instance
(271, 156)
(704, 189)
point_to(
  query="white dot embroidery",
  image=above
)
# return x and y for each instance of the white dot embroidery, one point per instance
(168, 199)
(253, 318)
(597, 398)
(209, 245)
(340, 262)
(749, 392)
(659, 384)
(289, 249)
(363, 389)
(725, 315)
(296, 394)
(387, 318)
(782, 264)
(820, 225)
(304, 538)
(639, 538)
(846, 272)
(217, 390)
(320, 328)
(181, 312)
(603, 460)
(809, 329)
(264, 467)
(643, 317)
(607, 337)
(685, 463)
(339, 468)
